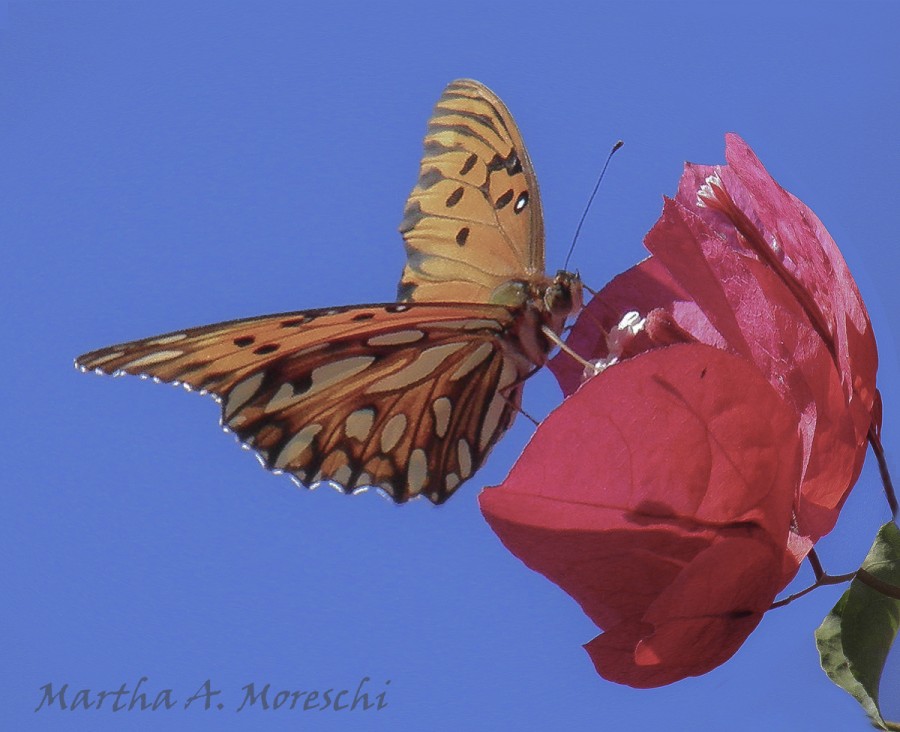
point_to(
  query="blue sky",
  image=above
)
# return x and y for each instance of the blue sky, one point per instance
(175, 164)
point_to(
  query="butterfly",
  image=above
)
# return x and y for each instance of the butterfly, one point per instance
(408, 396)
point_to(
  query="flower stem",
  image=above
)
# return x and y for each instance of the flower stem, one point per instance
(875, 442)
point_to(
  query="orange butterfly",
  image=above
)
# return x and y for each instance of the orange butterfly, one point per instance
(411, 396)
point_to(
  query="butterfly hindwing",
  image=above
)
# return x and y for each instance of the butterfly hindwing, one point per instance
(410, 421)
(409, 398)
(473, 220)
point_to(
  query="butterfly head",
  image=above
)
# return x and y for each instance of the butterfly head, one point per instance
(563, 296)
(550, 301)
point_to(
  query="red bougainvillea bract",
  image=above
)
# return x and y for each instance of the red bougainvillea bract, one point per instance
(681, 483)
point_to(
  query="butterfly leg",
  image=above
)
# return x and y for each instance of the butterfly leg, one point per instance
(507, 390)
(518, 408)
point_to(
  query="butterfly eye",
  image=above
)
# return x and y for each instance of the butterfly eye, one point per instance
(559, 298)
(511, 294)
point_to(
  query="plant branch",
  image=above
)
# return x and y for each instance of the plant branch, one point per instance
(825, 579)
(816, 565)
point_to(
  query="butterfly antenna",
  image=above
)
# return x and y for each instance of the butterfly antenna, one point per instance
(591, 200)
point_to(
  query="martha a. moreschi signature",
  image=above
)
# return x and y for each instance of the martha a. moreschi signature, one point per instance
(264, 697)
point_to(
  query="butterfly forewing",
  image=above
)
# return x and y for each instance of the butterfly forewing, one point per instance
(473, 220)
(409, 398)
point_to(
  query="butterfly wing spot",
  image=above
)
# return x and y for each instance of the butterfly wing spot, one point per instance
(468, 325)
(510, 163)
(166, 340)
(469, 164)
(472, 361)
(151, 358)
(464, 458)
(266, 349)
(491, 421)
(417, 475)
(462, 235)
(97, 362)
(508, 375)
(481, 324)
(244, 341)
(297, 446)
(521, 202)
(358, 425)
(442, 408)
(454, 197)
(240, 394)
(397, 338)
(500, 405)
(422, 367)
(504, 200)
(451, 480)
(496, 163)
(363, 316)
(392, 432)
(396, 308)
(331, 373)
(284, 397)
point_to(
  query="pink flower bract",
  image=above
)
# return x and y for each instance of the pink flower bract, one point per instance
(677, 491)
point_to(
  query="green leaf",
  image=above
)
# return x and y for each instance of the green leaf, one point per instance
(855, 638)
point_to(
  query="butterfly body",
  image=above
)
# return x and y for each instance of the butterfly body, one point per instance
(407, 396)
